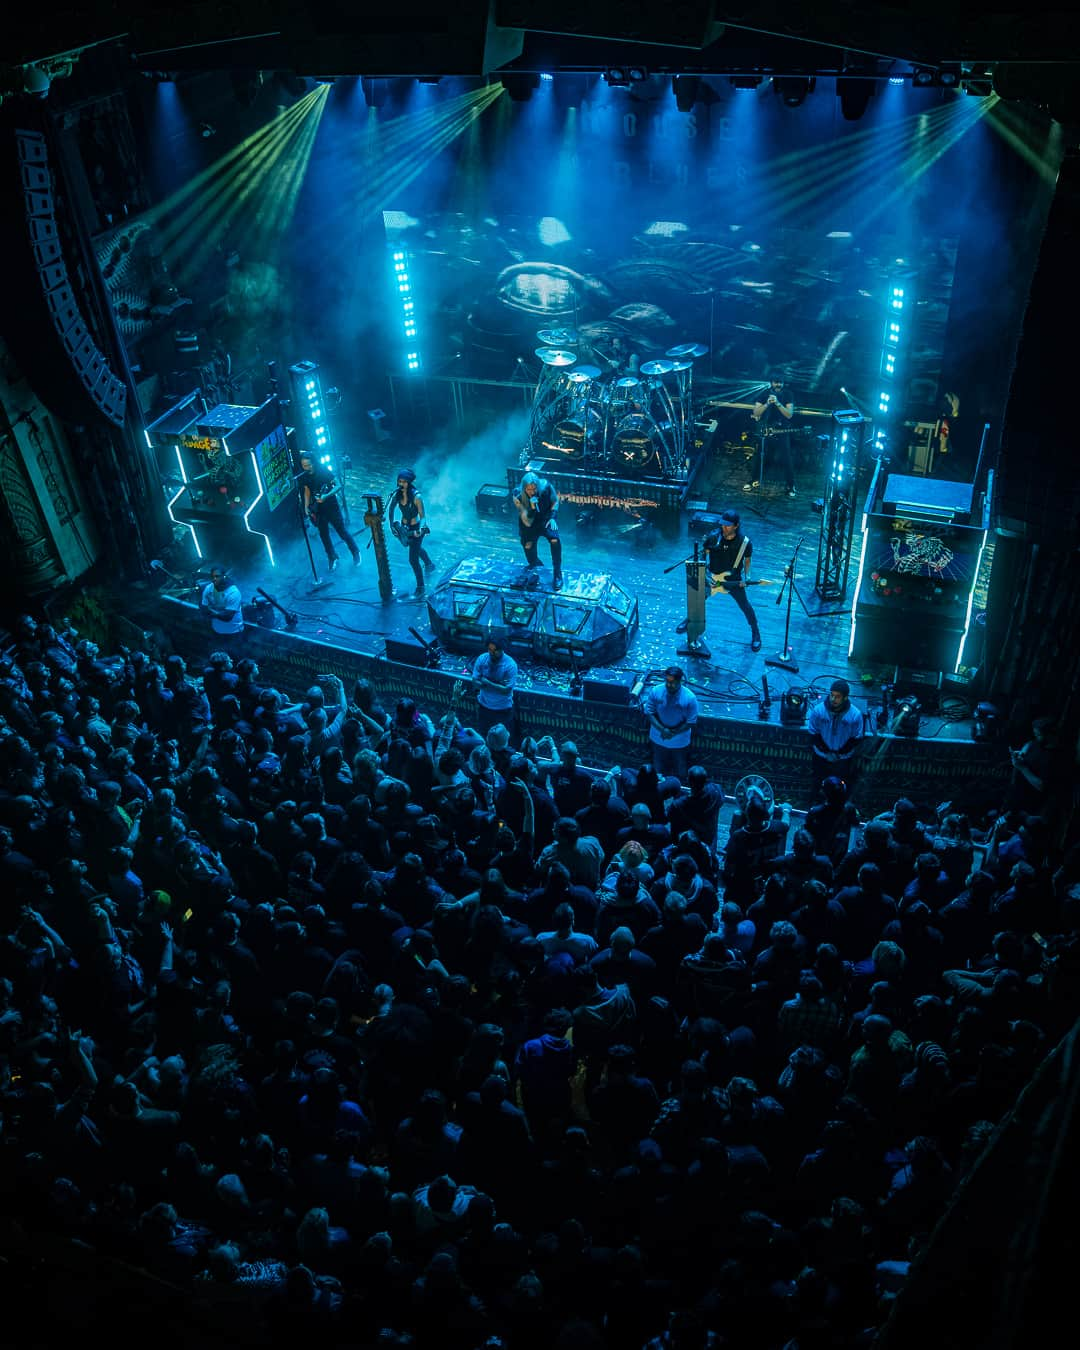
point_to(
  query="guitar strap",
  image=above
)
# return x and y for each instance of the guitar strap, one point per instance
(739, 556)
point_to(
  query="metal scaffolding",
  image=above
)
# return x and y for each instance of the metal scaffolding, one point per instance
(838, 505)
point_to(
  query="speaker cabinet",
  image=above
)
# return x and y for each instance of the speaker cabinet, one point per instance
(408, 653)
(609, 686)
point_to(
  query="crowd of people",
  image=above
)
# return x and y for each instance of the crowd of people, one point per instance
(348, 1021)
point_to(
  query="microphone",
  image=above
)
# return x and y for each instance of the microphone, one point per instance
(156, 565)
(638, 685)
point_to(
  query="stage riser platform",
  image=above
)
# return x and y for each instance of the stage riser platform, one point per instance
(591, 622)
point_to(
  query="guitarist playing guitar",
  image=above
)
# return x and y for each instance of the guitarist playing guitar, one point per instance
(411, 529)
(728, 553)
(773, 410)
(322, 506)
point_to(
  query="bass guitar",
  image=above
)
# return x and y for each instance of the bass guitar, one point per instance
(720, 583)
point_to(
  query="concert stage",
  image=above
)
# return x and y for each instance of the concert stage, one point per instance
(344, 625)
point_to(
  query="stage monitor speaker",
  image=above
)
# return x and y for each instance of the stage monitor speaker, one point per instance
(408, 653)
(492, 500)
(609, 686)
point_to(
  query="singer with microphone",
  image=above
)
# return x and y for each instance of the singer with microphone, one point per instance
(773, 411)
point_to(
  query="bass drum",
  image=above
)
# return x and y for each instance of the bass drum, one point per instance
(633, 446)
(573, 437)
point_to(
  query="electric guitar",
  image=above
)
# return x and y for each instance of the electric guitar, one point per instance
(718, 583)
(404, 535)
(316, 500)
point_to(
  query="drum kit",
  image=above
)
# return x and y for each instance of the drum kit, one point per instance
(634, 423)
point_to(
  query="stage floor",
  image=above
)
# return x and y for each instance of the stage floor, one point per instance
(347, 611)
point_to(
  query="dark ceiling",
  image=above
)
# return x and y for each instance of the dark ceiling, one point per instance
(477, 37)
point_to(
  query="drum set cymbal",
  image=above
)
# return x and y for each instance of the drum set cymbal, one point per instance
(558, 337)
(637, 422)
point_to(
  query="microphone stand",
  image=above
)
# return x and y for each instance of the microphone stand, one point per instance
(305, 531)
(785, 658)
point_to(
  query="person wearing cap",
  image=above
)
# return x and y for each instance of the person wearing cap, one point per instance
(412, 527)
(836, 729)
(494, 678)
(728, 553)
(772, 412)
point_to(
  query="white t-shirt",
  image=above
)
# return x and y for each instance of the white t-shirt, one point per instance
(223, 602)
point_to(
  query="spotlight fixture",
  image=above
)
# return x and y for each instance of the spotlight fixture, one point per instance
(793, 89)
(520, 85)
(745, 81)
(206, 130)
(854, 93)
(924, 77)
(621, 77)
(686, 89)
(907, 714)
(793, 708)
(428, 79)
(35, 81)
(949, 76)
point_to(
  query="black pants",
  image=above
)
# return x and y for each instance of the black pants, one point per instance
(486, 718)
(738, 594)
(550, 532)
(417, 555)
(330, 514)
(779, 462)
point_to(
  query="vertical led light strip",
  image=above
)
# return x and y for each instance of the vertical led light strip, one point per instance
(254, 504)
(176, 498)
(975, 574)
(317, 424)
(408, 308)
(313, 426)
(858, 584)
(895, 338)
